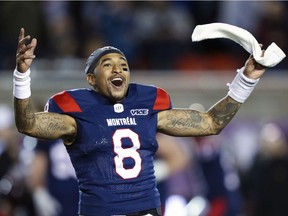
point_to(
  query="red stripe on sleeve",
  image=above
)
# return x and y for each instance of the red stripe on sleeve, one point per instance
(66, 102)
(162, 101)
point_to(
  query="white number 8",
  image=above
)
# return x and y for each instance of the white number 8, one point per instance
(122, 153)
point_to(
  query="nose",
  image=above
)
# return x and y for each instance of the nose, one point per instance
(116, 68)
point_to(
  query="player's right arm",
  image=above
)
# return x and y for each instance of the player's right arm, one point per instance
(37, 124)
(43, 125)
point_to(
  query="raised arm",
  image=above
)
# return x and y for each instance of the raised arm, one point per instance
(37, 124)
(188, 122)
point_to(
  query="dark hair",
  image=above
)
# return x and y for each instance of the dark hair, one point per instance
(97, 54)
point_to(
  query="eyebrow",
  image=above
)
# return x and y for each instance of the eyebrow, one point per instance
(108, 59)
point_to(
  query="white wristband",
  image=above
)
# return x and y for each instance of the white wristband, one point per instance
(21, 84)
(241, 87)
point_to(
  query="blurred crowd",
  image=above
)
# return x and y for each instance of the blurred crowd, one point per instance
(152, 34)
(241, 172)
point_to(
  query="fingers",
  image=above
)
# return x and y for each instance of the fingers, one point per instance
(24, 49)
(23, 57)
(33, 45)
(26, 52)
(22, 43)
(263, 50)
(29, 48)
(24, 39)
(21, 34)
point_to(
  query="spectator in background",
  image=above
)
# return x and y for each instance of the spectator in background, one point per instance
(208, 157)
(60, 25)
(15, 197)
(107, 20)
(7, 135)
(172, 158)
(11, 17)
(53, 180)
(159, 26)
(203, 11)
(239, 148)
(201, 188)
(273, 24)
(265, 184)
(269, 21)
(164, 30)
(223, 54)
(231, 12)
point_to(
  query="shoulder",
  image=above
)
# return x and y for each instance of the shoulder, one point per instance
(147, 88)
(158, 96)
(68, 100)
(72, 93)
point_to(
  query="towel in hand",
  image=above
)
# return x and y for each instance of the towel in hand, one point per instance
(272, 55)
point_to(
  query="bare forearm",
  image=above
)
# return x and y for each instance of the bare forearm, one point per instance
(24, 114)
(188, 122)
(223, 112)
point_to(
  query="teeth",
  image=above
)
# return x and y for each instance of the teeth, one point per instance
(117, 79)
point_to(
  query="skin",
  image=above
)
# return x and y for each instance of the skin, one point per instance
(175, 122)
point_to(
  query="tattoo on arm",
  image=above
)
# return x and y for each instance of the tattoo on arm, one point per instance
(41, 124)
(194, 123)
(223, 112)
(50, 125)
(24, 113)
(186, 119)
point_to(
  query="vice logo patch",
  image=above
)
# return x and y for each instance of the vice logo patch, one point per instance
(139, 112)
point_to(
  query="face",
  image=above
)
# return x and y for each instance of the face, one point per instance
(111, 77)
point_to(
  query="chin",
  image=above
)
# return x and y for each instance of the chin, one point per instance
(117, 98)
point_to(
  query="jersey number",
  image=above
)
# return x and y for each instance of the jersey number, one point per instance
(122, 153)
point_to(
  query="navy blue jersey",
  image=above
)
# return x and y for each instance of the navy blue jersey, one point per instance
(114, 149)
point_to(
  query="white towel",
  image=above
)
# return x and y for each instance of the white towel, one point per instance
(272, 55)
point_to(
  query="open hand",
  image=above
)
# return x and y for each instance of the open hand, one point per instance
(25, 52)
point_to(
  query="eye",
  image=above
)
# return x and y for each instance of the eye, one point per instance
(107, 65)
(124, 67)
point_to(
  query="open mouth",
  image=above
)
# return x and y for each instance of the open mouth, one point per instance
(117, 81)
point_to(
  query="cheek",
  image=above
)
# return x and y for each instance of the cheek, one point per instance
(101, 82)
(102, 75)
(128, 78)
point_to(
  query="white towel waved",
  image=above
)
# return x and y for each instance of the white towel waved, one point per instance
(272, 55)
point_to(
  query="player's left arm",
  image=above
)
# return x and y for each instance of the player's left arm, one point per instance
(188, 122)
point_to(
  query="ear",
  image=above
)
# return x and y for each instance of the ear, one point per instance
(91, 79)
